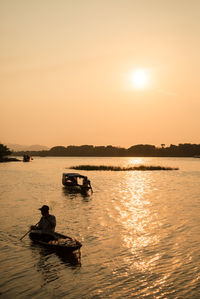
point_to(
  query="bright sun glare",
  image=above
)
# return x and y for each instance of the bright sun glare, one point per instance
(139, 79)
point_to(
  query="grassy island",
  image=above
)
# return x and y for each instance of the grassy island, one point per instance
(118, 168)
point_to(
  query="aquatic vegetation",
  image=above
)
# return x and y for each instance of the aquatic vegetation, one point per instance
(118, 168)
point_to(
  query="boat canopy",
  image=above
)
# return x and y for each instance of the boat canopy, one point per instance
(76, 175)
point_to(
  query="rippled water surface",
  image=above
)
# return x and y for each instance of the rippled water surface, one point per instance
(139, 230)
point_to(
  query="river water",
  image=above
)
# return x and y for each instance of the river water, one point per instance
(139, 230)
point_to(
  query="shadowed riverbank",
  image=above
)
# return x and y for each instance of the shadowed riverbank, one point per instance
(2, 160)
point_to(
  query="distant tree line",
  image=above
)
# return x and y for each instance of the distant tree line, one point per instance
(4, 153)
(140, 150)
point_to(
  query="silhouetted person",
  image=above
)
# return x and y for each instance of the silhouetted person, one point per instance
(86, 183)
(47, 222)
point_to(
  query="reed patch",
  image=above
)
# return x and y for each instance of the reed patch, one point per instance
(119, 168)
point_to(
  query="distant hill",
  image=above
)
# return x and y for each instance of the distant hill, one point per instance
(138, 150)
(35, 147)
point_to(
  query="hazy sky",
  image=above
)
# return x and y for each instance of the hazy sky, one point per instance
(67, 72)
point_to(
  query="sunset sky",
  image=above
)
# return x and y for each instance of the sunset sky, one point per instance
(100, 72)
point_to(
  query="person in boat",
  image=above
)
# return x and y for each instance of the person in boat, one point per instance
(47, 222)
(86, 183)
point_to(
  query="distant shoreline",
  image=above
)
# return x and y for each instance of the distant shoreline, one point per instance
(140, 150)
(5, 160)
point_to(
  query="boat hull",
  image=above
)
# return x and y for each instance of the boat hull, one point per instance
(52, 241)
(75, 182)
(80, 189)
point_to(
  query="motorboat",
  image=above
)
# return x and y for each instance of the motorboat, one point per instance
(76, 182)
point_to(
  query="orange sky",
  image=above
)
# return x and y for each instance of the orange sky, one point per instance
(65, 69)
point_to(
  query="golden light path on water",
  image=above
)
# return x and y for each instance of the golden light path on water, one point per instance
(139, 224)
(136, 217)
(144, 229)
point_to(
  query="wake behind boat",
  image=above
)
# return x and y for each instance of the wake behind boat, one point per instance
(55, 241)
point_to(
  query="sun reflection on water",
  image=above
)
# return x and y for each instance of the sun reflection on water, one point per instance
(133, 161)
(138, 220)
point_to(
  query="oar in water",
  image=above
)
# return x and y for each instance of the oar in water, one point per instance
(27, 232)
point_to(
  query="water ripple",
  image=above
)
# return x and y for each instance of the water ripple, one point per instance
(139, 230)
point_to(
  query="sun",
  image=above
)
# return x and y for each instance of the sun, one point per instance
(139, 79)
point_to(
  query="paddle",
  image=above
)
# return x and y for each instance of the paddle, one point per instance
(27, 233)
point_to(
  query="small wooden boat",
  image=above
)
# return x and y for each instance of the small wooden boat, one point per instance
(26, 158)
(76, 182)
(56, 242)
